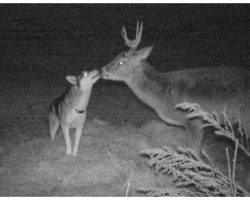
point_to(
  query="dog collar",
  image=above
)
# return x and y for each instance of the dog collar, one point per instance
(77, 111)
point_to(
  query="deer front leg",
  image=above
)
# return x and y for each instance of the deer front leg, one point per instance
(195, 133)
(65, 131)
(171, 122)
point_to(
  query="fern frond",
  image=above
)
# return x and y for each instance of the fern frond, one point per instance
(186, 169)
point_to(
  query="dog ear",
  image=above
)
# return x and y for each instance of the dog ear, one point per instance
(71, 79)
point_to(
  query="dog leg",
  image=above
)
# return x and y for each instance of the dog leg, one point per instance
(53, 125)
(78, 135)
(65, 131)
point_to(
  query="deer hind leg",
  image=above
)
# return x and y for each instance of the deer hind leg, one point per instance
(53, 125)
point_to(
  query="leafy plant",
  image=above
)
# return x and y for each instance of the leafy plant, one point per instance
(189, 174)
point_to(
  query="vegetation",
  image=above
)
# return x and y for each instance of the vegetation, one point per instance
(189, 174)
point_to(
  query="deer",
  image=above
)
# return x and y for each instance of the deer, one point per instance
(212, 88)
(69, 110)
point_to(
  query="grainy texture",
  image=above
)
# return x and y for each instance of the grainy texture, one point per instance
(41, 44)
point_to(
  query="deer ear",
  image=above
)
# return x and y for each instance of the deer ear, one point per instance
(143, 53)
(71, 79)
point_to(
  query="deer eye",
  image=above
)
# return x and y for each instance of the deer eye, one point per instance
(85, 73)
(120, 63)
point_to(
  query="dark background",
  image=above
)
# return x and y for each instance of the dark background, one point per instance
(71, 36)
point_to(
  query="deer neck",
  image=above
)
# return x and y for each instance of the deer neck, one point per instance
(79, 98)
(148, 84)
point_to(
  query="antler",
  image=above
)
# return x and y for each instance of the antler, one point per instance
(133, 43)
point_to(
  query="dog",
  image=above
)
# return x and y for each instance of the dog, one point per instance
(69, 110)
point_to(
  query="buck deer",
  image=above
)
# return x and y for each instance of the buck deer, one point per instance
(211, 88)
(69, 110)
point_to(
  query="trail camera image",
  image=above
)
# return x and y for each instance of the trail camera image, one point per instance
(127, 100)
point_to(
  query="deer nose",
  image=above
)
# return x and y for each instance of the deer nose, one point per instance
(104, 72)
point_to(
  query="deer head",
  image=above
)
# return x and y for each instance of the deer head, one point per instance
(127, 63)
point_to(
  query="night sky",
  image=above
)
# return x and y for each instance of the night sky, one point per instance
(183, 35)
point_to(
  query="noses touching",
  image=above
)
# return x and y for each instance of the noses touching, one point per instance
(104, 73)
